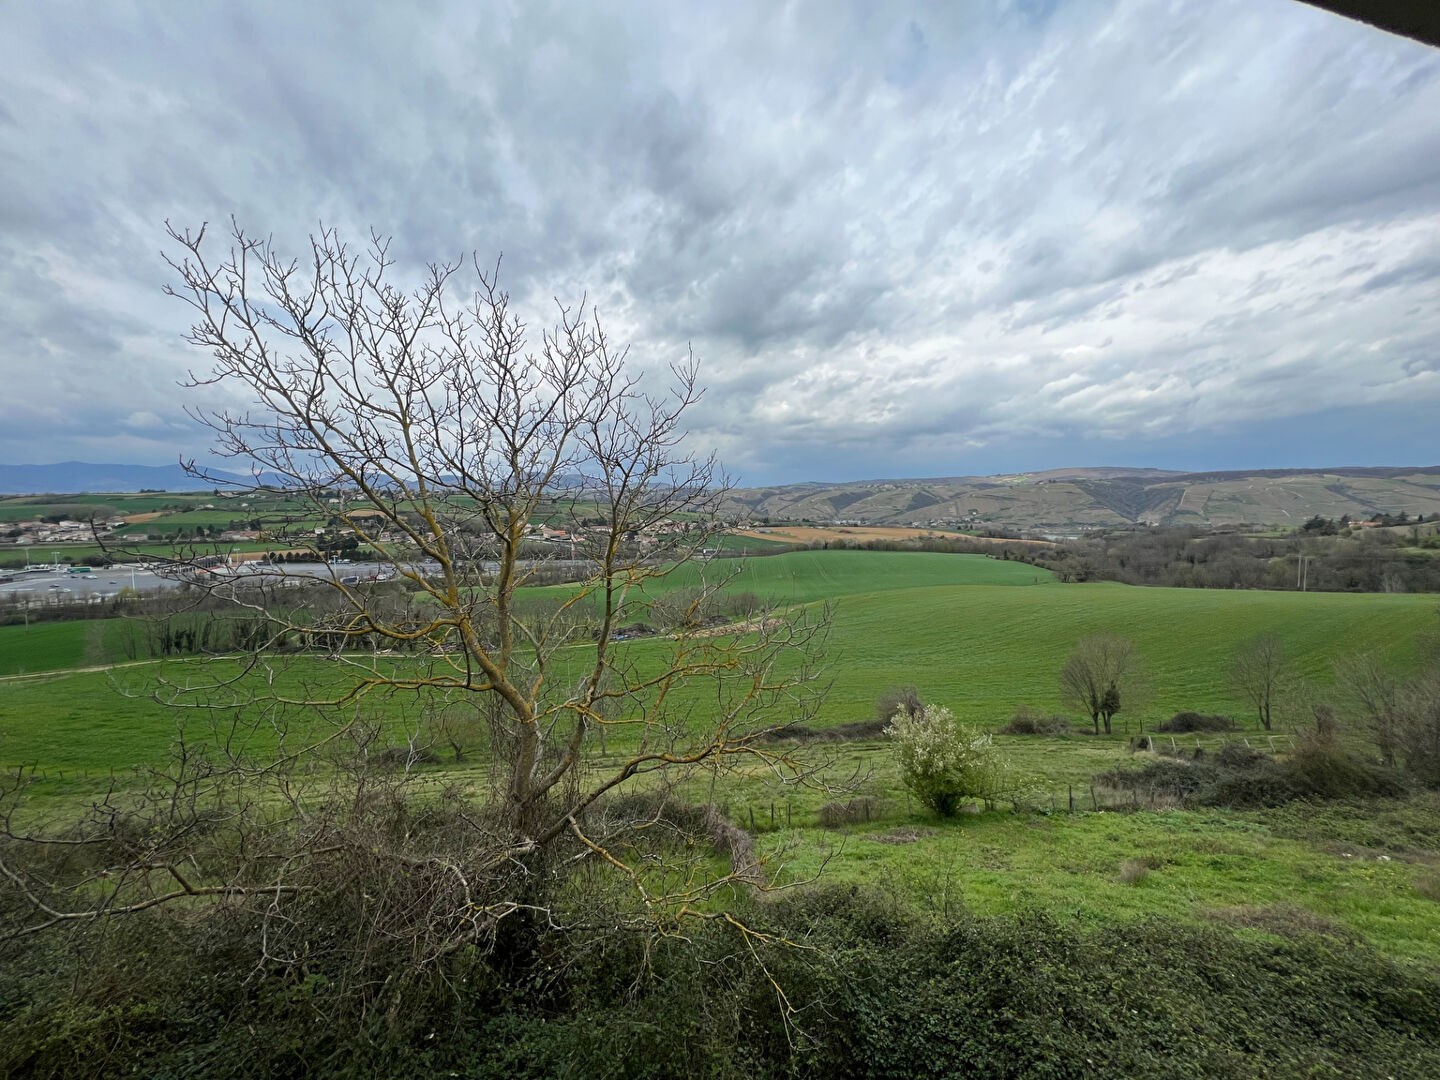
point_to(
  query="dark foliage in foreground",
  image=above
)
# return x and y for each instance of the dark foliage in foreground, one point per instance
(877, 993)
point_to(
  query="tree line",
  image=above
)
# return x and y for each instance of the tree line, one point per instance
(1369, 560)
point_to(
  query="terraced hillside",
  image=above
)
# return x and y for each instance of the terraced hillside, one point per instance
(1067, 499)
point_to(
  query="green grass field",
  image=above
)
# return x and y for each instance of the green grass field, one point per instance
(61, 645)
(1202, 866)
(980, 635)
(945, 623)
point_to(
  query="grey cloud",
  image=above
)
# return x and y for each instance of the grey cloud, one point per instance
(1424, 269)
(902, 224)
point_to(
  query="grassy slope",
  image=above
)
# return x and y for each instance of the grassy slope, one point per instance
(1206, 864)
(806, 576)
(983, 650)
(60, 646)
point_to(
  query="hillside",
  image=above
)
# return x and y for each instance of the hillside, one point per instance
(1070, 499)
(1058, 500)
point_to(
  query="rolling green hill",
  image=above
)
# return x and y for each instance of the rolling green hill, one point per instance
(1067, 499)
(974, 633)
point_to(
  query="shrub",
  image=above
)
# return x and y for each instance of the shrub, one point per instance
(1169, 775)
(404, 757)
(1240, 776)
(1321, 769)
(944, 762)
(1235, 755)
(1027, 721)
(896, 699)
(858, 729)
(1187, 722)
(835, 815)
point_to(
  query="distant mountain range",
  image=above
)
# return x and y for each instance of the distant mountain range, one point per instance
(1064, 500)
(75, 477)
(1057, 500)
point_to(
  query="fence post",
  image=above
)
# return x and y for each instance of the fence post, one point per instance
(1072, 798)
(1094, 803)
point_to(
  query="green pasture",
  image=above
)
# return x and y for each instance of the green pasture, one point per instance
(1199, 866)
(946, 624)
(57, 646)
(801, 577)
(985, 652)
(805, 577)
(29, 507)
(79, 728)
(733, 542)
(980, 635)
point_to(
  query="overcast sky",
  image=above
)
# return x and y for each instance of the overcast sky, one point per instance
(925, 240)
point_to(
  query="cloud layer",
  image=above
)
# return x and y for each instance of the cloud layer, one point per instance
(901, 241)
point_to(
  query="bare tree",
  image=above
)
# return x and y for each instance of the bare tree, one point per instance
(438, 432)
(1098, 675)
(899, 699)
(1402, 713)
(1260, 672)
(1373, 692)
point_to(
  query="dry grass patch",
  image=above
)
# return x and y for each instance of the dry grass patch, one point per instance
(1133, 872)
(1286, 920)
(1427, 884)
(907, 835)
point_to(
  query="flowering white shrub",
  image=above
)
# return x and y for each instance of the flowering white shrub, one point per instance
(944, 762)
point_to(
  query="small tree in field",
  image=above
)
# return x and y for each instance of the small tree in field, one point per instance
(1260, 671)
(896, 699)
(945, 763)
(1098, 677)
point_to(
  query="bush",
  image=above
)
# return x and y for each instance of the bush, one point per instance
(944, 762)
(896, 699)
(877, 992)
(1323, 770)
(1188, 722)
(1240, 776)
(1027, 721)
(858, 729)
(404, 757)
(835, 815)
(1172, 776)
